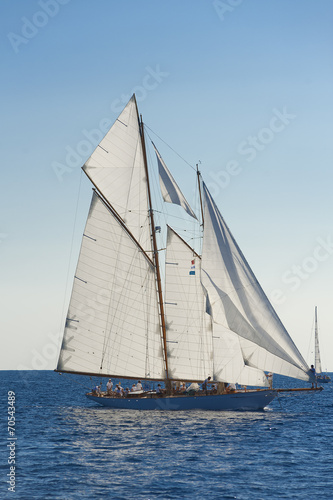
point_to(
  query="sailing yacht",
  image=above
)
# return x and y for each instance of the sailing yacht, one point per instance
(321, 377)
(204, 315)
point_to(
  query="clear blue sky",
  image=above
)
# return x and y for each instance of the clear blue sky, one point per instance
(243, 86)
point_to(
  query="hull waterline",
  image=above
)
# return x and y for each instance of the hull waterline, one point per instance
(244, 401)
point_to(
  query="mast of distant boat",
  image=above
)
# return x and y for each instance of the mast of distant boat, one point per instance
(317, 354)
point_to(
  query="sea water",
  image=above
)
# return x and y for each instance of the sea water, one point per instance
(64, 446)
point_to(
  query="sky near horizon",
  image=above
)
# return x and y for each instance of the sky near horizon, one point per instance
(244, 87)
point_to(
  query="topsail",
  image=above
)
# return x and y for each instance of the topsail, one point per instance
(169, 188)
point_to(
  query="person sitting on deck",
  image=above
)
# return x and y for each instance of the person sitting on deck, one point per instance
(139, 386)
(96, 390)
(231, 387)
(214, 389)
(119, 390)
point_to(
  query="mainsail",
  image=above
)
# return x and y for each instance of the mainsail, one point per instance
(112, 326)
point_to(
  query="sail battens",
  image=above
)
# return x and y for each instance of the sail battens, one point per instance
(94, 239)
(121, 122)
(80, 279)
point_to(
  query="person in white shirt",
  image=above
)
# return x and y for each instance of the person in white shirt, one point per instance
(119, 389)
(270, 379)
(159, 389)
(109, 387)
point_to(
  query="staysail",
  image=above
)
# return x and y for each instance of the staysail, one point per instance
(189, 337)
(112, 326)
(239, 303)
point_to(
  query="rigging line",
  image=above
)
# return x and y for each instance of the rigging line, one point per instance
(169, 147)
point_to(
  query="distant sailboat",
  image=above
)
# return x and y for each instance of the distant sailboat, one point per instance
(321, 377)
(210, 316)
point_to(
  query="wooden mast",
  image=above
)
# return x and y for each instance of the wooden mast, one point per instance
(156, 258)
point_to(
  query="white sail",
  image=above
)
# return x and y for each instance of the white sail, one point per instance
(229, 365)
(117, 169)
(217, 319)
(239, 303)
(170, 190)
(112, 325)
(317, 352)
(189, 338)
(197, 346)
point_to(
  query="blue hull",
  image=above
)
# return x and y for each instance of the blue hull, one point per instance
(245, 401)
(323, 380)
